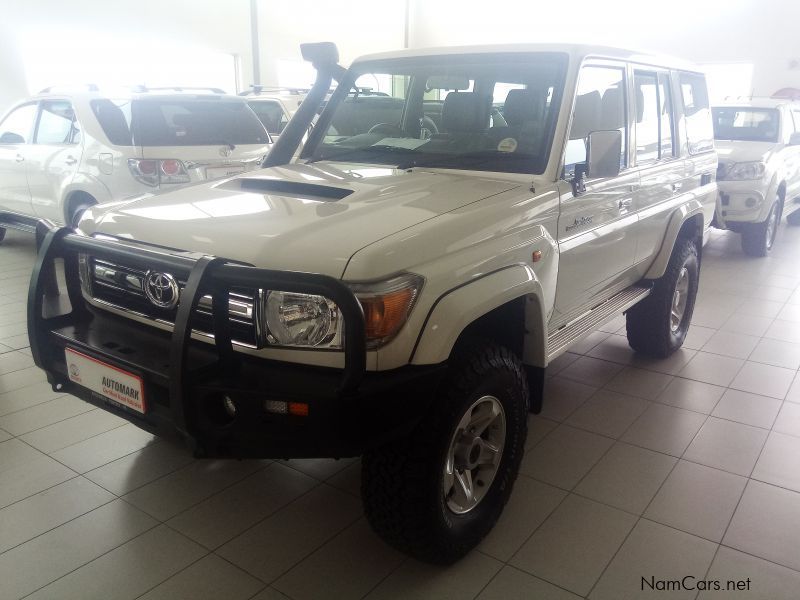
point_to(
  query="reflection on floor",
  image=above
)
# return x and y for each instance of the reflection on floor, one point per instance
(636, 469)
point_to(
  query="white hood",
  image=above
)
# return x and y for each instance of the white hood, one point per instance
(295, 217)
(730, 151)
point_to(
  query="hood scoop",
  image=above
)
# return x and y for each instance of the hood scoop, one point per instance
(294, 189)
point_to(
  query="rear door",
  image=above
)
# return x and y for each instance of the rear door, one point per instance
(212, 136)
(597, 228)
(53, 158)
(661, 170)
(16, 132)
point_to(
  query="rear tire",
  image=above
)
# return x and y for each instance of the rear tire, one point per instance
(657, 325)
(758, 238)
(410, 488)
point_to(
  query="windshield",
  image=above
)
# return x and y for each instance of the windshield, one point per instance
(746, 124)
(179, 122)
(479, 112)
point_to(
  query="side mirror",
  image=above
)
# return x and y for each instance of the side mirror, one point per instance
(794, 139)
(602, 153)
(11, 138)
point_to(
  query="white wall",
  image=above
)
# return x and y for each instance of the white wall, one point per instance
(707, 31)
(764, 32)
(128, 32)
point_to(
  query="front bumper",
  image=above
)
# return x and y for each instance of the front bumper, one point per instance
(186, 381)
(740, 202)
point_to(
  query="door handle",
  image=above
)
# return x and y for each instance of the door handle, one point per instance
(70, 160)
(20, 158)
(625, 203)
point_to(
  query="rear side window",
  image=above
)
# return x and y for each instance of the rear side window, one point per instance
(699, 127)
(16, 128)
(647, 116)
(179, 122)
(56, 123)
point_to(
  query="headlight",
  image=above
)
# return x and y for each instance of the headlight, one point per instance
(309, 321)
(386, 306)
(302, 320)
(746, 170)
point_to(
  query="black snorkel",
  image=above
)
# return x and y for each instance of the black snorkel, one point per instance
(324, 57)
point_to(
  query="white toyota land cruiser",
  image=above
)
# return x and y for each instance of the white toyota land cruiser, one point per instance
(758, 142)
(398, 290)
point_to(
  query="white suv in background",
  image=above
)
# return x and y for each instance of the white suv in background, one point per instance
(60, 153)
(758, 141)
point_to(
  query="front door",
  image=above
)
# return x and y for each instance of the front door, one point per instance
(597, 227)
(53, 159)
(15, 137)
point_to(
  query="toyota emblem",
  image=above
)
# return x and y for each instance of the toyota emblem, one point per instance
(225, 151)
(161, 289)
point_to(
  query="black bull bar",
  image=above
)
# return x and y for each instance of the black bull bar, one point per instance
(204, 275)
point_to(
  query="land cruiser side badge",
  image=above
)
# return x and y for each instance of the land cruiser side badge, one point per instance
(580, 222)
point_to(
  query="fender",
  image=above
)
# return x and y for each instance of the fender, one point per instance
(681, 214)
(457, 309)
(771, 196)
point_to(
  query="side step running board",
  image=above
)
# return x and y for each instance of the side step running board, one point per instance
(560, 340)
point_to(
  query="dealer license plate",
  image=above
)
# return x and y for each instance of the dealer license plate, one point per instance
(110, 382)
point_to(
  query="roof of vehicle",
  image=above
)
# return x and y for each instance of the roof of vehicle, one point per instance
(756, 102)
(575, 51)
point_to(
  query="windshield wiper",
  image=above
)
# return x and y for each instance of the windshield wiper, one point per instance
(383, 148)
(469, 159)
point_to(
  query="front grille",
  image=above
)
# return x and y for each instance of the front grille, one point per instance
(122, 287)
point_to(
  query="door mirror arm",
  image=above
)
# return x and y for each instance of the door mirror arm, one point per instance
(579, 179)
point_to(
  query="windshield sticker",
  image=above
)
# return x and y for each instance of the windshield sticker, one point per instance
(507, 145)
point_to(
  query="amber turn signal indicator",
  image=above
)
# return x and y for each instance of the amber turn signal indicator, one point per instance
(384, 315)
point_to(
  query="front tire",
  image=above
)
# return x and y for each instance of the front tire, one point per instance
(2, 233)
(758, 238)
(657, 325)
(438, 492)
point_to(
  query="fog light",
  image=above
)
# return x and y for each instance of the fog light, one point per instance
(751, 202)
(278, 407)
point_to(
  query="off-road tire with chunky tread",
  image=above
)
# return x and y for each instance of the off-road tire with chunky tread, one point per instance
(755, 241)
(648, 322)
(402, 482)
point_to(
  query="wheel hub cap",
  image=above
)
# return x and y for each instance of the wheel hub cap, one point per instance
(679, 299)
(474, 454)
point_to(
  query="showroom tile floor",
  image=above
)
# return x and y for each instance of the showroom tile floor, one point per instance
(636, 468)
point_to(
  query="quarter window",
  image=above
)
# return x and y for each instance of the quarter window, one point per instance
(17, 126)
(56, 123)
(699, 126)
(599, 106)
